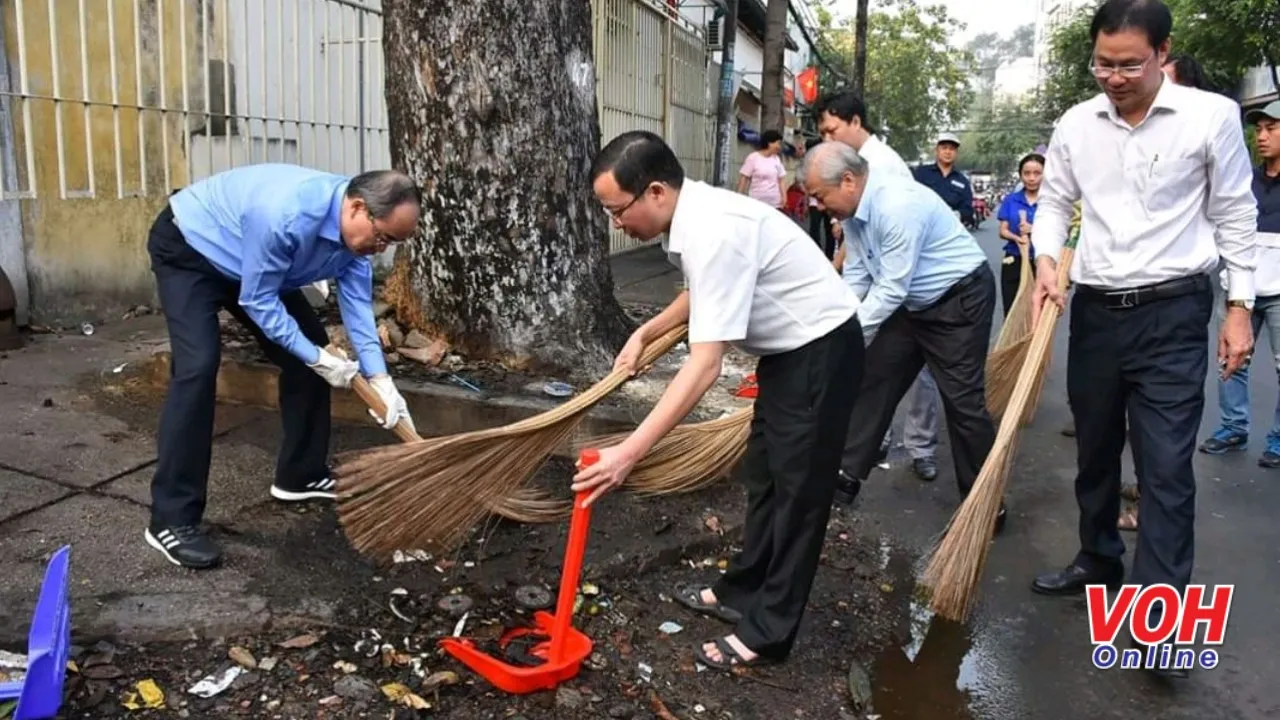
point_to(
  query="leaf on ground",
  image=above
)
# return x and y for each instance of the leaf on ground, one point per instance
(305, 640)
(435, 680)
(400, 694)
(242, 657)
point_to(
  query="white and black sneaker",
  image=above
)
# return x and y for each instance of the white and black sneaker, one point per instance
(323, 489)
(185, 545)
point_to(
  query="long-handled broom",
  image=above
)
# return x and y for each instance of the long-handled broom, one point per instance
(428, 494)
(690, 457)
(1006, 358)
(525, 505)
(953, 572)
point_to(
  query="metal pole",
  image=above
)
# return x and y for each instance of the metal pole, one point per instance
(724, 110)
(360, 48)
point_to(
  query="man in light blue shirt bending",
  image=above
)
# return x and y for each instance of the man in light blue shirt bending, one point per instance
(928, 296)
(247, 240)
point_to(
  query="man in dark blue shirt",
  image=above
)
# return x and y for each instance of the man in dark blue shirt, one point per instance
(945, 180)
(247, 240)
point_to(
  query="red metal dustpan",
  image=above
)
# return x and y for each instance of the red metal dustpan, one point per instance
(559, 656)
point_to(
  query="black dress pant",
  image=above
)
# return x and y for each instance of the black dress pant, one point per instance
(1010, 278)
(952, 336)
(790, 468)
(191, 293)
(1149, 361)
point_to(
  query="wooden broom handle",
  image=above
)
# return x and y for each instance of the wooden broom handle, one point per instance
(371, 398)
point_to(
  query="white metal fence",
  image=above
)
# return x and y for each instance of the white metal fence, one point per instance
(134, 98)
(181, 89)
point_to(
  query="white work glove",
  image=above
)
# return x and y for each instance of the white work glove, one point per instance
(337, 371)
(397, 408)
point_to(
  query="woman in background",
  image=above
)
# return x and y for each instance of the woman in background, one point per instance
(1014, 229)
(762, 172)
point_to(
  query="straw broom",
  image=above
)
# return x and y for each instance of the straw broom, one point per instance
(953, 571)
(524, 505)
(1006, 358)
(690, 457)
(429, 493)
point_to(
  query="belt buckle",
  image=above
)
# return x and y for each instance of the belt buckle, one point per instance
(1125, 299)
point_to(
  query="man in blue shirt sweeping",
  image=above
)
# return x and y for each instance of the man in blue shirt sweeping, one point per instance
(247, 240)
(928, 296)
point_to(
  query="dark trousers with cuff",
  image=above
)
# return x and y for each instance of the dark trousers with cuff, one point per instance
(1148, 361)
(790, 469)
(191, 293)
(952, 336)
(820, 231)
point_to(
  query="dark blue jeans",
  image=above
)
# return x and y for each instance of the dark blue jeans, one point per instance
(1233, 393)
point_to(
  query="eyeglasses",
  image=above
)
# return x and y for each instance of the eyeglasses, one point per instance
(1102, 72)
(615, 214)
(380, 237)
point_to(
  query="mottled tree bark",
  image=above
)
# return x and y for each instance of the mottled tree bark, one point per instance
(492, 108)
(775, 50)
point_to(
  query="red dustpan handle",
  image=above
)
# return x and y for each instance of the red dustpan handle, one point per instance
(571, 573)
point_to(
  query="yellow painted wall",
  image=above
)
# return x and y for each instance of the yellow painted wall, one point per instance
(86, 257)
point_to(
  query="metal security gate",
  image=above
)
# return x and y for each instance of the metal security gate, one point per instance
(652, 73)
(133, 98)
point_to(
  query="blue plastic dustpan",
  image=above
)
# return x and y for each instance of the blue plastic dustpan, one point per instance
(48, 644)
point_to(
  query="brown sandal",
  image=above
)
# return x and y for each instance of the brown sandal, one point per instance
(1128, 519)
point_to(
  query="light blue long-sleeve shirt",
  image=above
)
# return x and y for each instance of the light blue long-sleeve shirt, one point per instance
(907, 248)
(275, 228)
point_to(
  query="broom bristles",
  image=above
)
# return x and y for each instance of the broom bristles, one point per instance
(690, 457)
(1010, 351)
(429, 494)
(958, 560)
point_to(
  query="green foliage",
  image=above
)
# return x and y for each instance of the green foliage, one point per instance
(1000, 137)
(1227, 39)
(1068, 80)
(989, 51)
(917, 84)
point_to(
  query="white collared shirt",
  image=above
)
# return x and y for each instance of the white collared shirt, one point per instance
(755, 278)
(884, 159)
(1160, 201)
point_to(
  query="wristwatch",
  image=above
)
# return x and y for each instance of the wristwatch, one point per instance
(1244, 304)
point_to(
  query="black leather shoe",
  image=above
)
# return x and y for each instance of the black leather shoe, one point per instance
(847, 489)
(926, 468)
(185, 545)
(1073, 579)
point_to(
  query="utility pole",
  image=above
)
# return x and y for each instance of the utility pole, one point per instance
(724, 108)
(860, 49)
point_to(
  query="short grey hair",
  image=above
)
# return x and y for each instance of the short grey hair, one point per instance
(384, 190)
(831, 160)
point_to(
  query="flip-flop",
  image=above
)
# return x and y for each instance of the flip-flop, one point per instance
(1129, 492)
(690, 596)
(729, 658)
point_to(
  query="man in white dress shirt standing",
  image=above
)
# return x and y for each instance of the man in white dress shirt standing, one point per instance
(1164, 178)
(842, 117)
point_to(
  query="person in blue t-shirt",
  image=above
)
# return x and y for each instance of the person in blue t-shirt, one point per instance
(1012, 228)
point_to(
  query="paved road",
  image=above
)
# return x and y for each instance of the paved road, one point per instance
(1027, 656)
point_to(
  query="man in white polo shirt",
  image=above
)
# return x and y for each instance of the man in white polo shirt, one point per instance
(1164, 178)
(757, 282)
(842, 117)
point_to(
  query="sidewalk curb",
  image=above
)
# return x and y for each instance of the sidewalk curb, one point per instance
(437, 409)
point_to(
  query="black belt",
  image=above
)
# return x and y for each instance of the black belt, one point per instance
(1134, 297)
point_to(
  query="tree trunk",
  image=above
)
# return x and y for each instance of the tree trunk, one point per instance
(775, 49)
(860, 49)
(491, 106)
